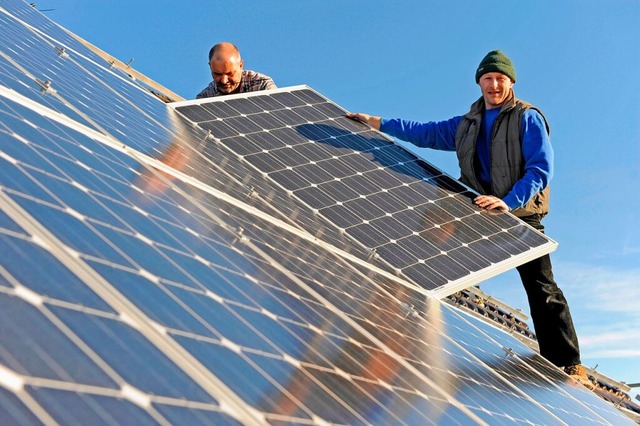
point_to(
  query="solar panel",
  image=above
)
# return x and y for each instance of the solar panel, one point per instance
(411, 217)
(149, 276)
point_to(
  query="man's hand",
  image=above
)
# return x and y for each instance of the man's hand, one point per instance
(491, 203)
(371, 120)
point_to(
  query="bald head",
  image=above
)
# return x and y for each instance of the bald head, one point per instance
(226, 66)
(224, 51)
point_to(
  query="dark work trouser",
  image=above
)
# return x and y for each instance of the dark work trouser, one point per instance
(549, 309)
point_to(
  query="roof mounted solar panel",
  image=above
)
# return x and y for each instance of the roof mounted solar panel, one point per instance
(149, 274)
(409, 216)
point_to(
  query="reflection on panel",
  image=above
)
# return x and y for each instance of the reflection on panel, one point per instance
(149, 275)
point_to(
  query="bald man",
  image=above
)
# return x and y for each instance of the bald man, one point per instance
(229, 76)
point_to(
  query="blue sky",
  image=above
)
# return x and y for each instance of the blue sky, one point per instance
(579, 61)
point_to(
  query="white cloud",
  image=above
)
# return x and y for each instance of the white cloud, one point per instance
(612, 335)
(606, 295)
(605, 305)
(612, 353)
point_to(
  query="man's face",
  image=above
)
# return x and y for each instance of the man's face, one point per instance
(227, 74)
(495, 88)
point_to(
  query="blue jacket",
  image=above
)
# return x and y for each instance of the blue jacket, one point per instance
(536, 149)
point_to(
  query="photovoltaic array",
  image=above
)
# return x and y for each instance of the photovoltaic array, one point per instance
(154, 271)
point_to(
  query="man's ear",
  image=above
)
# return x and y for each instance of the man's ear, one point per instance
(241, 63)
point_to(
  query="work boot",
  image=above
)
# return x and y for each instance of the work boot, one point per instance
(578, 373)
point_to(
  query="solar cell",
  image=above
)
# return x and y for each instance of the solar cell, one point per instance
(149, 275)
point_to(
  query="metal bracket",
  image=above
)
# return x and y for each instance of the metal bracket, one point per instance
(409, 310)
(251, 191)
(373, 254)
(62, 52)
(45, 87)
(239, 236)
(508, 351)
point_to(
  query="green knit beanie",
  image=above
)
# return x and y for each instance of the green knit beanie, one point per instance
(496, 61)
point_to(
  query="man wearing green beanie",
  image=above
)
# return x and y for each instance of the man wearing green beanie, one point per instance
(505, 154)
